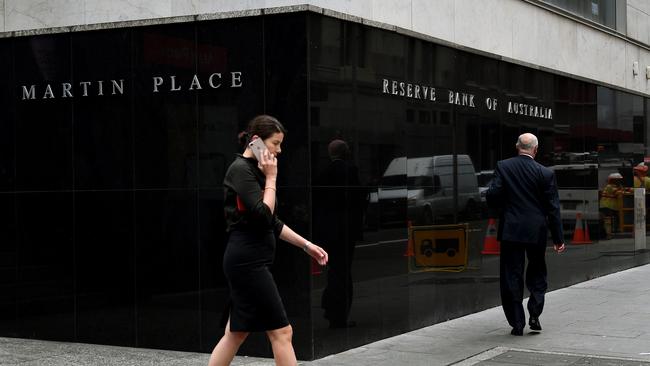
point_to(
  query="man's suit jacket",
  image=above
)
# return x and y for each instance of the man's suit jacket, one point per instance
(525, 192)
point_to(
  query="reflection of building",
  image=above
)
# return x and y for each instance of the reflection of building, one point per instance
(111, 200)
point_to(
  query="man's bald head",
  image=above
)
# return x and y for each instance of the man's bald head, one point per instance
(337, 149)
(527, 144)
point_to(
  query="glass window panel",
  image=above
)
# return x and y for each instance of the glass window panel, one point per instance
(599, 11)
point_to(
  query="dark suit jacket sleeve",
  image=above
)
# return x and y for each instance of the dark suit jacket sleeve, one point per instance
(552, 201)
(494, 194)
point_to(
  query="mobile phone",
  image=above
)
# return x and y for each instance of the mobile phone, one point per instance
(257, 146)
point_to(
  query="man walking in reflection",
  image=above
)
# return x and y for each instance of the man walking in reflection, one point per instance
(338, 212)
(525, 192)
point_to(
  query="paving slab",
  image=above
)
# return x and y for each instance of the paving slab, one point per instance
(507, 357)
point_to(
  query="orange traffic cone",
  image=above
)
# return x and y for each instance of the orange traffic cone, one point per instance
(490, 243)
(316, 268)
(409, 243)
(581, 232)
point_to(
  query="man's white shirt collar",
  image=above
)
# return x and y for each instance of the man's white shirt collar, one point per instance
(530, 156)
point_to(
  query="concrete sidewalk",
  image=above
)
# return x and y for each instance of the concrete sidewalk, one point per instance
(605, 321)
(607, 316)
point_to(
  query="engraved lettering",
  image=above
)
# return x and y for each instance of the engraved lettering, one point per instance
(84, 86)
(195, 83)
(118, 86)
(174, 88)
(236, 79)
(66, 90)
(29, 93)
(48, 92)
(211, 82)
(157, 81)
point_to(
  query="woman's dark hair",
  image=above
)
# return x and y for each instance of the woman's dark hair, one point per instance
(263, 126)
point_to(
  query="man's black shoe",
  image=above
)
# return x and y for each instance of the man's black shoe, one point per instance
(533, 322)
(517, 332)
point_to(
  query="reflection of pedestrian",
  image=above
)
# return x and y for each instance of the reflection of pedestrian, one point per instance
(610, 203)
(338, 218)
(641, 179)
(526, 193)
(250, 210)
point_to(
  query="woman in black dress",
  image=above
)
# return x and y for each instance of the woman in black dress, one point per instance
(250, 207)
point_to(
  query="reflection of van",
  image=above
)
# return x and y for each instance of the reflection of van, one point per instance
(578, 186)
(578, 191)
(484, 178)
(427, 183)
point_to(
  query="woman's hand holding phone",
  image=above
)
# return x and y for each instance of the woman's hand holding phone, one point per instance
(267, 162)
(257, 147)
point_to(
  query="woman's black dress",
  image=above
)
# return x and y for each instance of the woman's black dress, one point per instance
(252, 229)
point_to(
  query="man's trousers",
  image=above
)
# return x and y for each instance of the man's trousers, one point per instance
(513, 257)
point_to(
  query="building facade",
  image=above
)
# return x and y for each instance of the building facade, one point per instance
(121, 119)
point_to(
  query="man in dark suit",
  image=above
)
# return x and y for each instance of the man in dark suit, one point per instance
(339, 201)
(525, 193)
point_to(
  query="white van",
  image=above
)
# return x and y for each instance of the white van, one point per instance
(578, 192)
(427, 184)
(578, 189)
(484, 178)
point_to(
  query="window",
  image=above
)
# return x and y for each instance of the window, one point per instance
(599, 11)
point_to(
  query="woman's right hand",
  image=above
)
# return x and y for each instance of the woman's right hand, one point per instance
(316, 252)
(269, 164)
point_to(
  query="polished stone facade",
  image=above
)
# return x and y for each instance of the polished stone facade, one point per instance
(112, 217)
